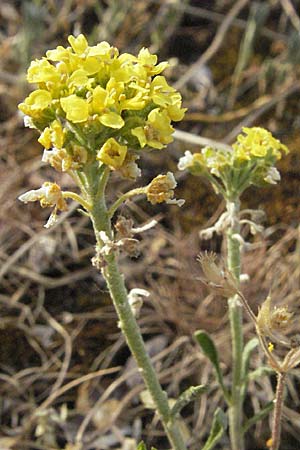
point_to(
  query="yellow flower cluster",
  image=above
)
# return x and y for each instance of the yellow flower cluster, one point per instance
(257, 142)
(251, 160)
(106, 102)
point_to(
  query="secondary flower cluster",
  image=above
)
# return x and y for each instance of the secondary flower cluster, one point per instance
(251, 160)
(93, 103)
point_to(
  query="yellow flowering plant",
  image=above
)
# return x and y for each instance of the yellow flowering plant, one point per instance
(96, 110)
(251, 161)
(87, 95)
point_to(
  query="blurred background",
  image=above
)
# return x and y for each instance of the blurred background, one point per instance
(67, 378)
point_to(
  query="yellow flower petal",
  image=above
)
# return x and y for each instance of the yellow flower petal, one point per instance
(112, 120)
(37, 101)
(79, 44)
(41, 71)
(78, 78)
(139, 133)
(45, 138)
(76, 108)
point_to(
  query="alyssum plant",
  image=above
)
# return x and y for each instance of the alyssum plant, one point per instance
(96, 110)
(251, 161)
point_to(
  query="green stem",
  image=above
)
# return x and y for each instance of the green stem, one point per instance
(77, 198)
(115, 283)
(236, 328)
(123, 198)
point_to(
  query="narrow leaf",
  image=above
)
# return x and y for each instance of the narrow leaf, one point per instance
(218, 427)
(186, 397)
(259, 416)
(209, 349)
(260, 372)
(249, 347)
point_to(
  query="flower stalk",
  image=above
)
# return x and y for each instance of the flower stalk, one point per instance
(251, 161)
(236, 330)
(115, 282)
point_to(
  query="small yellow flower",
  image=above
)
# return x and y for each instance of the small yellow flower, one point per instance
(103, 50)
(57, 134)
(60, 53)
(146, 59)
(112, 153)
(100, 102)
(269, 443)
(161, 93)
(270, 347)
(175, 111)
(79, 44)
(157, 132)
(76, 108)
(53, 135)
(41, 71)
(36, 102)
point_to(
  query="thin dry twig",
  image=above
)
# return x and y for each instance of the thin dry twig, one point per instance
(251, 118)
(214, 46)
(198, 140)
(290, 11)
(27, 245)
(68, 349)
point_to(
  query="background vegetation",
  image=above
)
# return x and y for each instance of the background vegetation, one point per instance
(66, 374)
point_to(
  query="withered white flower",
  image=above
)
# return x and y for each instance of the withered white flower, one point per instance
(272, 176)
(49, 195)
(135, 299)
(185, 161)
(161, 189)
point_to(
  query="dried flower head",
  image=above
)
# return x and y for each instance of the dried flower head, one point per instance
(272, 320)
(161, 189)
(220, 281)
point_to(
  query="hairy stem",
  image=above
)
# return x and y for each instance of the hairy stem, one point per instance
(127, 322)
(276, 425)
(236, 329)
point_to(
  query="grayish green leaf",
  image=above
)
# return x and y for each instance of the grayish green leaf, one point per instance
(218, 427)
(186, 397)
